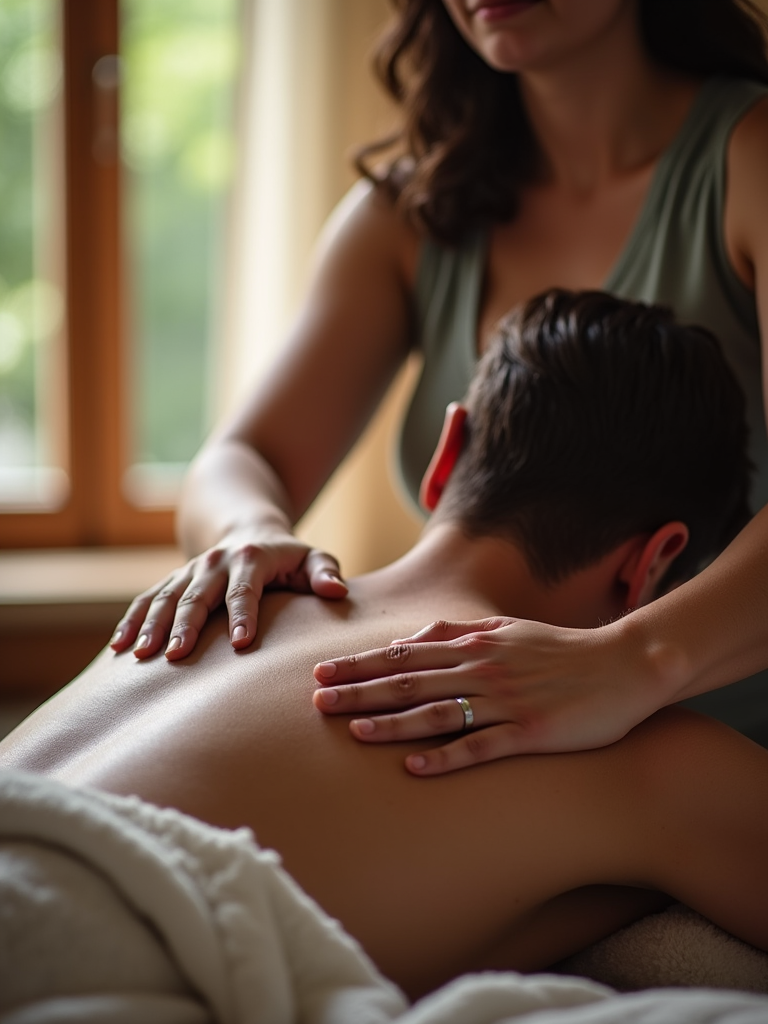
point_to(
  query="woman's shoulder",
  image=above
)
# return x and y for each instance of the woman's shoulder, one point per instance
(749, 141)
(746, 215)
(368, 222)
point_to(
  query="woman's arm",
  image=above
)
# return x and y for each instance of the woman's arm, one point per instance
(258, 475)
(544, 688)
(698, 828)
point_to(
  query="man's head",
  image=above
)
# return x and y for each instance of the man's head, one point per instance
(591, 420)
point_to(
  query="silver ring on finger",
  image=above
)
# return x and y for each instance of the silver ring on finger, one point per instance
(469, 715)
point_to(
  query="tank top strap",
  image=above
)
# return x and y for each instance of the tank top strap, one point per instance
(685, 203)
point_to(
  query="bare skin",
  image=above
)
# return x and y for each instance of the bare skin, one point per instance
(468, 871)
(600, 147)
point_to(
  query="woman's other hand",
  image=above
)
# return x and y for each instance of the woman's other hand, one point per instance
(532, 687)
(237, 571)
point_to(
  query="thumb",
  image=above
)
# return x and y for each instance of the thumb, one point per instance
(324, 575)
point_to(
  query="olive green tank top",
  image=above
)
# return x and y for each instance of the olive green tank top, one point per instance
(675, 256)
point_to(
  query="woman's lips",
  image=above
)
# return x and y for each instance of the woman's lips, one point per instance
(495, 10)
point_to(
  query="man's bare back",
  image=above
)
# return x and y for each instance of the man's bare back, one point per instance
(434, 877)
(510, 864)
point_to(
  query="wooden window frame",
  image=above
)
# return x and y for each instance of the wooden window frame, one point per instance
(98, 367)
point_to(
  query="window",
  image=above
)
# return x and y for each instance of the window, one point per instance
(116, 152)
(32, 446)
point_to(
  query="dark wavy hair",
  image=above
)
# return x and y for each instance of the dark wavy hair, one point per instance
(465, 146)
(592, 419)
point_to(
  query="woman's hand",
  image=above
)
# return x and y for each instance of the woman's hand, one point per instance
(533, 688)
(236, 570)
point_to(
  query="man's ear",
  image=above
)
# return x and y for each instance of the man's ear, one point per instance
(442, 462)
(646, 565)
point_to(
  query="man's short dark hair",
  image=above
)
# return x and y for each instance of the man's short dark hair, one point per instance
(592, 419)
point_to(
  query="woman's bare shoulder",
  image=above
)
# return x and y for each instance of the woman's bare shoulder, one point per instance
(368, 221)
(746, 211)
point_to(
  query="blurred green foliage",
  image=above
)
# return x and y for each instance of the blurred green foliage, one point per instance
(179, 65)
(30, 305)
(180, 61)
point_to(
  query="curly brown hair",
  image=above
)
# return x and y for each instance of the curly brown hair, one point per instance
(465, 147)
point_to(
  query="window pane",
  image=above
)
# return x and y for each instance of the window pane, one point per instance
(180, 60)
(32, 439)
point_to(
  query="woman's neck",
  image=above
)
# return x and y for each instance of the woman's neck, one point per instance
(605, 112)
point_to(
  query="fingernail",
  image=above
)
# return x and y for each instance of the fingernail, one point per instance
(174, 645)
(417, 762)
(329, 696)
(142, 642)
(333, 577)
(364, 725)
(239, 633)
(326, 669)
(118, 635)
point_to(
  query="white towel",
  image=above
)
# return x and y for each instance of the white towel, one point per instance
(113, 911)
(240, 932)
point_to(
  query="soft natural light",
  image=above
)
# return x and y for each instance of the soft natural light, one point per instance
(179, 65)
(32, 438)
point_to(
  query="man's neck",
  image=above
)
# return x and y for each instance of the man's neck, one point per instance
(492, 574)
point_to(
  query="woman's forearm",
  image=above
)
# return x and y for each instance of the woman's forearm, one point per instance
(711, 630)
(230, 489)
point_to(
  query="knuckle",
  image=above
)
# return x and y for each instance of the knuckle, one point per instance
(151, 625)
(481, 648)
(533, 725)
(477, 745)
(441, 759)
(403, 687)
(241, 590)
(469, 642)
(249, 552)
(439, 715)
(392, 725)
(398, 652)
(212, 559)
(353, 694)
(185, 629)
(191, 596)
(440, 626)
